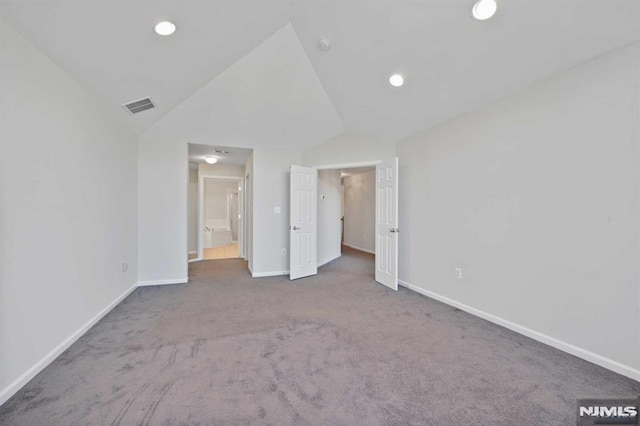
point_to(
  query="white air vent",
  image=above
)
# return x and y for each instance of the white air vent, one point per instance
(138, 106)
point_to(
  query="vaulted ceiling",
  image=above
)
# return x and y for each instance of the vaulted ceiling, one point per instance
(248, 72)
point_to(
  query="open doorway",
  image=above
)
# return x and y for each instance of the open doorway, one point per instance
(220, 218)
(358, 190)
(346, 212)
(217, 228)
(332, 205)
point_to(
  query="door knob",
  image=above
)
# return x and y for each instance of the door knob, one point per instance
(295, 228)
(394, 230)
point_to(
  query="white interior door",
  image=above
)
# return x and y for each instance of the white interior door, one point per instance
(387, 223)
(303, 222)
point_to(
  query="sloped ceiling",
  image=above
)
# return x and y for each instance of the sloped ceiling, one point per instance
(248, 73)
(110, 45)
(270, 97)
(451, 62)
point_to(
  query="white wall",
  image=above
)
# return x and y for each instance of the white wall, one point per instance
(360, 211)
(347, 148)
(192, 208)
(536, 197)
(220, 170)
(68, 193)
(329, 214)
(162, 180)
(270, 100)
(271, 169)
(162, 210)
(216, 193)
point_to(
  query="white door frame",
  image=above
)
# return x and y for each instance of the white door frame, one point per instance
(241, 222)
(355, 165)
(348, 165)
(351, 165)
(247, 217)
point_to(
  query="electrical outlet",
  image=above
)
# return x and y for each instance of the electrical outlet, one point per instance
(125, 266)
(284, 252)
(457, 272)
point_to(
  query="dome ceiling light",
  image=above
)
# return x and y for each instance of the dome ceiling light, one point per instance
(165, 28)
(484, 9)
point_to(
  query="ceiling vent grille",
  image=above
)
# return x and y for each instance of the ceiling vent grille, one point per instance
(139, 106)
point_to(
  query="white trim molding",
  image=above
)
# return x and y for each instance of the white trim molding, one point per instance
(268, 274)
(17, 384)
(359, 248)
(347, 165)
(163, 282)
(600, 360)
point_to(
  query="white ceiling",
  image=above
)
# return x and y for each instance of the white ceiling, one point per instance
(234, 156)
(241, 76)
(110, 45)
(451, 62)
(271, 97)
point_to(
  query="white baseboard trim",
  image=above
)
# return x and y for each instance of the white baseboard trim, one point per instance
(17, 384)
(193, 252)
(197, 259)
(359, 248)
(600, 360)
(331, 259)
(268, 274)
(163, 282)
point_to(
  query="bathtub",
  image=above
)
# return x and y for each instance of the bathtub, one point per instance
(217, 237)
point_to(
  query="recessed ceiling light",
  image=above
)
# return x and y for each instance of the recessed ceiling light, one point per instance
(210, 160)
(484, 9)
(396, 80)
(165, 28)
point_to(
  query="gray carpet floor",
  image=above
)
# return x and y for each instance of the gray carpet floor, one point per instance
(334, 349)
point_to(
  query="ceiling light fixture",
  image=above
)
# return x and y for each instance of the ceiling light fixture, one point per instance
(165, 28)
(210, 160)
(396, 80)
(484, 9)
